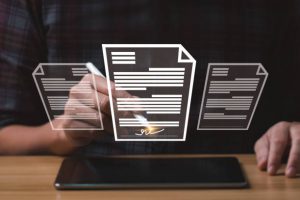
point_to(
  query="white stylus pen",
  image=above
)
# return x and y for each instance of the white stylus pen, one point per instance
(95, 71)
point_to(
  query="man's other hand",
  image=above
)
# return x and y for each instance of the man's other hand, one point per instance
(282, 139)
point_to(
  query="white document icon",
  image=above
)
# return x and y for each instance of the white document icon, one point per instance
(160, 80)
(54, 81)
(231, 94)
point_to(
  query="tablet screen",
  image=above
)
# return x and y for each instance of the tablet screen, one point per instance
(81, 173)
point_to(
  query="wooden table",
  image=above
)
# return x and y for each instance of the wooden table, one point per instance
(32, 177)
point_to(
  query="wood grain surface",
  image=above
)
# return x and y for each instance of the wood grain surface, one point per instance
(32, 177)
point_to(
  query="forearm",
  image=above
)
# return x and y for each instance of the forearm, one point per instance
(18, 139)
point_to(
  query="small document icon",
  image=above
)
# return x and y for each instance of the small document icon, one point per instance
(54, 81)
(231, 94)
(160, 81)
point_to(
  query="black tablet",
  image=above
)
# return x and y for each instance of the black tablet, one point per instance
(125, 173)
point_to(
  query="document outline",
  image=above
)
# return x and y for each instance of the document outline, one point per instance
(181, 50)
(260, 66)
(40, 67)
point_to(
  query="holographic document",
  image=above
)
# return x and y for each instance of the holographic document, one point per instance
(54, 81)
(159, 79)
(231, 95)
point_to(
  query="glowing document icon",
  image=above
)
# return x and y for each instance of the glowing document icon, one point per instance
(54, 81)
(160, 77)
(231, 94)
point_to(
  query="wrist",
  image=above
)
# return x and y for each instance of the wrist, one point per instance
(61, 144)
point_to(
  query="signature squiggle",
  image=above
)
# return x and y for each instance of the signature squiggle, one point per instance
(148, 131)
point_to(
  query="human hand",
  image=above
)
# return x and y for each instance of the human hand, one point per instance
(282, 138)
(84, 137)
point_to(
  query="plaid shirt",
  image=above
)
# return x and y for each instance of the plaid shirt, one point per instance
(34, 31)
